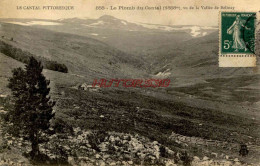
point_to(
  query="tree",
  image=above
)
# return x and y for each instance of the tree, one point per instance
(32, 110)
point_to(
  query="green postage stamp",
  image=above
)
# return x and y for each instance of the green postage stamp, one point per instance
(237, 39)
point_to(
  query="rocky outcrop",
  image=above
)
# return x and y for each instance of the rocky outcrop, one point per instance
(88, 147)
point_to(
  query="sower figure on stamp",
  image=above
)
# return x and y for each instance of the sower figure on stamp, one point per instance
(236, 28)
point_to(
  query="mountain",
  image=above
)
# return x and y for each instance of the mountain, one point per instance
(83, 56)
(105, 22)
(110, 22)
(135, 38)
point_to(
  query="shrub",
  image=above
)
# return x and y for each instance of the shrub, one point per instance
(53, 65)
(4, 146)
(97, 138)
(186, 159)
(60, 126)
(163, 152)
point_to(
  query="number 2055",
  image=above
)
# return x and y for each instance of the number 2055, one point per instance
(100, 7)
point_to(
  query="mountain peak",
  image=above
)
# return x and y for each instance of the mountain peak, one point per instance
(107, 17)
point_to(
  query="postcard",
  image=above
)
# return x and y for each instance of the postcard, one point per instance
(130, 82)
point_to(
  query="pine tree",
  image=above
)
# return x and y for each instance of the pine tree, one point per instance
(32, 110)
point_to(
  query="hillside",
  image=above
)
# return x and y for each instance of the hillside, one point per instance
(155, 118)
(82, 55)
(193, 67)
(198, 57)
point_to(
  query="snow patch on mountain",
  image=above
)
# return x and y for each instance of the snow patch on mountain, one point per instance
(204, 33)
(98, 23)
(94, 34)
(123, 22)
(35, 23)
(195, 31)
(154, 26)
(163, 74)
(207, 27)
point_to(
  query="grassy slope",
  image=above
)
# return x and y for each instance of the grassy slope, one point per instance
(196, 57)
(156, 118)
(197, 73)
(82, 55)
(7, 64)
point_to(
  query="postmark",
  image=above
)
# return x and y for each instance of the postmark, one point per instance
(237, 39)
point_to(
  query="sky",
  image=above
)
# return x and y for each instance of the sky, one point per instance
(87, 9)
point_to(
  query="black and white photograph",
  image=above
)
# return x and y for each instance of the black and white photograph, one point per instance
(129, 83)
